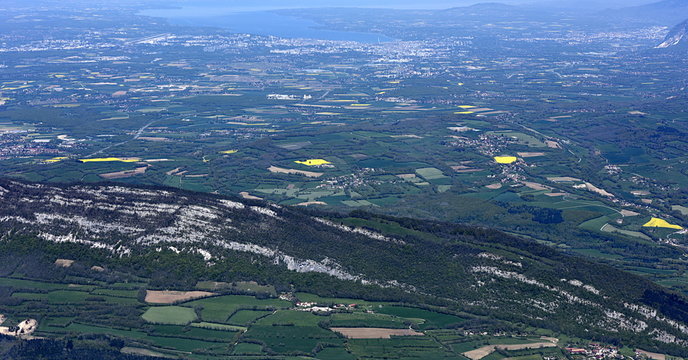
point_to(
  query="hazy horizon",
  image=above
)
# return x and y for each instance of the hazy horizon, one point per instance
(408, 4)
(243, 5)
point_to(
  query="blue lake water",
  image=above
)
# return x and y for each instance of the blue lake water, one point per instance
(258, 22)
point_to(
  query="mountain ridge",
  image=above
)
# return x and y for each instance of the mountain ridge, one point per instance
(483, 271)
(677, 37)
(666, 12)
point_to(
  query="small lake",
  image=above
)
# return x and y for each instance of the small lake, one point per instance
(258, 22)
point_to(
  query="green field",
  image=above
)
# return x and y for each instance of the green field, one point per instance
(247, 349)
(170, 315)
(430, 173)
(360, 319)
(334, 353)
(245, 317)
(219, 309)
(425, 318)
(214, 326)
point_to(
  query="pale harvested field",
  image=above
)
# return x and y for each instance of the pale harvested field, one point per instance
(374, 333)
(275, 169)
(595, 189)
(652, 355)
(173, 172)
(410, 136)
(550, 339)
(64, 262)
(530, 154)
(557, 118)
(494, 186)
(170, 297)
(552, 144)
(309, 203)
(153, 138)
(464, 169)
(629, 213)
(536, 186)
(558, 179)
(247, 196)
(124, 174)
(480, 353)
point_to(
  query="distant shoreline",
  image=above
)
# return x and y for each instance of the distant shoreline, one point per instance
(263, 23)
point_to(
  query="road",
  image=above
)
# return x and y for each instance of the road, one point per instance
(136, 136)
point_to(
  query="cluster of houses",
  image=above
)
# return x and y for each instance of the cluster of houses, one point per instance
(314, 308)
(596, 351)
(22, 330)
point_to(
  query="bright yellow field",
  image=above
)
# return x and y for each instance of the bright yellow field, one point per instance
(314, 162)
(111, 159)
(659, 223)
(505, 159)
(229, 152)
(56, 159)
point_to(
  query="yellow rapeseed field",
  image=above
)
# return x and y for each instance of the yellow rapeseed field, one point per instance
(314, 162)
(111, 159)
(660, 223)
(505, 159)
(56, 159)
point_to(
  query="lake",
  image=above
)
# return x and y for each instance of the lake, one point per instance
(251, 21)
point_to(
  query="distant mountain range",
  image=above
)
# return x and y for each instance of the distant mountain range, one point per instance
(667, 12)
(677, 37)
